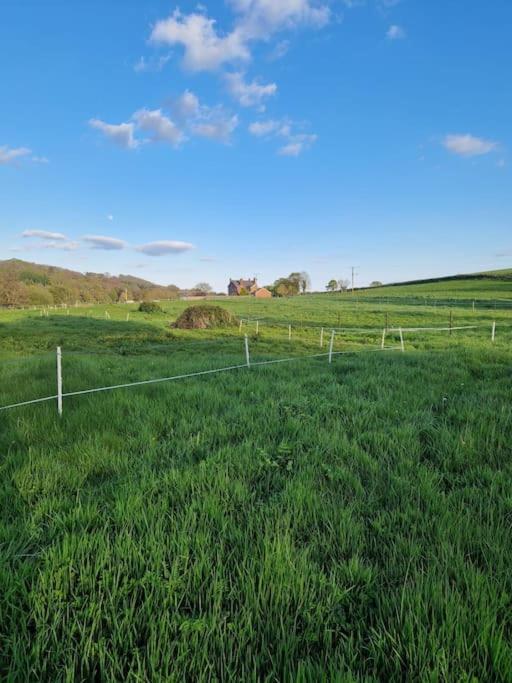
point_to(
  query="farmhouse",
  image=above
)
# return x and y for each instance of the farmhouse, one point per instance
(250, 287)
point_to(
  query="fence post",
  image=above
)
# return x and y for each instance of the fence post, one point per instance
(401, 340)
(240, 326)
(322, 337)
(331, 344)
(383, 338)
(257, 326)
(493, 333)
(451, 320)
(247, 356)
(59, 380)
(289, 331)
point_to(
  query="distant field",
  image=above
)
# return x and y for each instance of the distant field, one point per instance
(302, 521)
(488, 292)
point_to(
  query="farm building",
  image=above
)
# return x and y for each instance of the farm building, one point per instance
(241, 287)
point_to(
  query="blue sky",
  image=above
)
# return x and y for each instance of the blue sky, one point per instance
(243, 137)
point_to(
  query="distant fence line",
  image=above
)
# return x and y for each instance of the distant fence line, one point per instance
(60, 395)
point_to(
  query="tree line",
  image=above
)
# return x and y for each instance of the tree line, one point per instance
(30, 284)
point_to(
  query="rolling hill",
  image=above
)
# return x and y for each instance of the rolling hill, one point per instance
(24, 283)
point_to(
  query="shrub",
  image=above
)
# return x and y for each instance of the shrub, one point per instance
(204, 316)
(150, 307)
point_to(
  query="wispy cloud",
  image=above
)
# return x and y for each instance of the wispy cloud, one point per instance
(297, 145)
(102, 242)
(121, 134)
(69, 245)
(296, 142)
(151, 65)
(206, 49)
(45, 234)
(468, 145)
(218, 127)
(248, 94)
(395, 32)
(279, 51)
(158, 126)
(164, 247)
(9, 155)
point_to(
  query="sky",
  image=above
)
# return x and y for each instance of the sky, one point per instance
(235, 138)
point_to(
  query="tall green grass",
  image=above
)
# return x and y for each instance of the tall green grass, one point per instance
(301, 522)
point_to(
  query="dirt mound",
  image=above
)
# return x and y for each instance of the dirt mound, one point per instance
(203, 317)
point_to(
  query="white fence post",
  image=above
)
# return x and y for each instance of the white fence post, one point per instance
(321, 337)
(247, 356)
(401, 340)
(240, 326)
(289, 331)
(331, 344)
(257, 326)
(383, 338)
(493, 333)
(59, 380)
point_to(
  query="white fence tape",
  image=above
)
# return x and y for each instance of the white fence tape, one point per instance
(159, 380)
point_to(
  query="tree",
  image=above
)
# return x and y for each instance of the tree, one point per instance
(302, 280)
(286, 286)
(343, 285)
(331, 286)
(376, 283)
(203, 288)
(12, 292)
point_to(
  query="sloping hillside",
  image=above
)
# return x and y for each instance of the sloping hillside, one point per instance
(24, 283)
(493, 285)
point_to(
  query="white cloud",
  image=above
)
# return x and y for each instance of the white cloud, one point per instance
(159, 126)
(296, 143)
(259, 19)
(395, 32)
(205, 49)
(248, 94)
(280, 50)
(217, 126)
(101, 242)
(264, 128)
(151, 65)
(292, 149)
(164, 247)
(468, 145)
(110, 217)
(65, 246)
(9, 155)
(121, 134)
(45, 234)
(186, 106)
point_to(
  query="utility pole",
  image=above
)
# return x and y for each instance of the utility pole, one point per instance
(353, 277)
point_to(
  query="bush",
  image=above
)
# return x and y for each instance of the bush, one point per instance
(204, 316)
(150, 307)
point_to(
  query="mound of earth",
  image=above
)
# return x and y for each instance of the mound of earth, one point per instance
(204, 316)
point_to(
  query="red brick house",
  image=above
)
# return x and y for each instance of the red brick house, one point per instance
(241, 287)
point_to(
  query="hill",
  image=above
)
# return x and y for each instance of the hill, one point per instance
(491, 286)
(23, 283)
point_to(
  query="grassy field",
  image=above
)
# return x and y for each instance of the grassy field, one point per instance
(302, 521)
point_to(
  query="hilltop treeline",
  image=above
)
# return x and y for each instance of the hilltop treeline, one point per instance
(23, 283)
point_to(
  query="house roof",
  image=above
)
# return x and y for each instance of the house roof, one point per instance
(246, 284)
